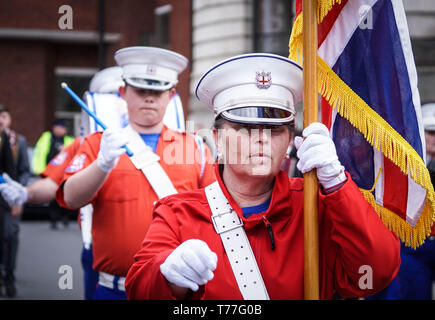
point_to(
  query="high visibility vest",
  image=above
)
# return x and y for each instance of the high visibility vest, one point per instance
(41, 150)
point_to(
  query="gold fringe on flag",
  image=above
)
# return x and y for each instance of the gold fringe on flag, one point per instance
(295, 45)
(383, 137)
(378, 133)
(323, 8)
(411, 236)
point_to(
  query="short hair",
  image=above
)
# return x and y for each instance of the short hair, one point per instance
(59, 122)
(3, 108)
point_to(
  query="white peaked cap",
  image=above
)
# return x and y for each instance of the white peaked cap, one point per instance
(107, 80)
(428, 113)
(150, 68)
(259, 88)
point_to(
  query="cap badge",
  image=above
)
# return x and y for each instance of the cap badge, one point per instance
(264, 79)
(151, 69)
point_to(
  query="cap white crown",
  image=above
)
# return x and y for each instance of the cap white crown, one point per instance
(428, 113)
(107, 80)
(150, 67)
(256, 80)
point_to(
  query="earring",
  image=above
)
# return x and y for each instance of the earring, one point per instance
(287, 154)
(218, 156)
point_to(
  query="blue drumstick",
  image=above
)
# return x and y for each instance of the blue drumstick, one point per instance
(89, 112)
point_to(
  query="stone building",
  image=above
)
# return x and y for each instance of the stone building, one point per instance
(421, 23)
(223, 28)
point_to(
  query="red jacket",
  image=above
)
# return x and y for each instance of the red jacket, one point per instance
(123, 205)
(351, 235)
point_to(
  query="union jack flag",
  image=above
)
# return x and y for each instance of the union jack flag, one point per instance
(367, 80)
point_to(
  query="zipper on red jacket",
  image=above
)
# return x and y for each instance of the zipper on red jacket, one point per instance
(269, 230)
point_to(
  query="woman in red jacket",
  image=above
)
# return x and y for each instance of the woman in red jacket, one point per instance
(242, 236)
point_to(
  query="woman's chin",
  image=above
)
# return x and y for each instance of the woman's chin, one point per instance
(261, 170)
(147, 122)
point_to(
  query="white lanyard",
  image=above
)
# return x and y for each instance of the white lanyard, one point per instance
(239, 252)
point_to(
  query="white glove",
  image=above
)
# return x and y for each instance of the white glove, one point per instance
(190, 265)
(111, 148)
(13, 192)
(318, 151)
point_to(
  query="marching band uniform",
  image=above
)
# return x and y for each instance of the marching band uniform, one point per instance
(123, 205)
(350, 235)
(127, 197)
(198, 241)
(106, 82)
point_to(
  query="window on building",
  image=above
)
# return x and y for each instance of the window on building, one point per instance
(162, 21)
(272, 24)
(78, 80)
(146, 39)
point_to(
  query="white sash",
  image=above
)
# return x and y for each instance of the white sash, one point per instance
(146, 160)
(239, 252)
(86, 225)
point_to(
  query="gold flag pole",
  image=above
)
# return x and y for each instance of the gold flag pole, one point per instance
(311, 185)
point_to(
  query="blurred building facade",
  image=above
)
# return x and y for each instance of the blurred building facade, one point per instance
(36, 54)
(223, 28)
(421, 23)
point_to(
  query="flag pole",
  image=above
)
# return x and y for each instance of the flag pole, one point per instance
(311, 236)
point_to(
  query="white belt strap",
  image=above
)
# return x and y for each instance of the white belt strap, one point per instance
(108, 280)
(146, 160)
(239, 252)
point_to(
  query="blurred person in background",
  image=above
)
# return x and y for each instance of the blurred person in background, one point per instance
(7, 166)
(428, 111)
(50, 144)
(106, 81)
(18, 145)
(417, 271)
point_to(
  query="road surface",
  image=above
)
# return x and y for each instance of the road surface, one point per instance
(48, 262)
